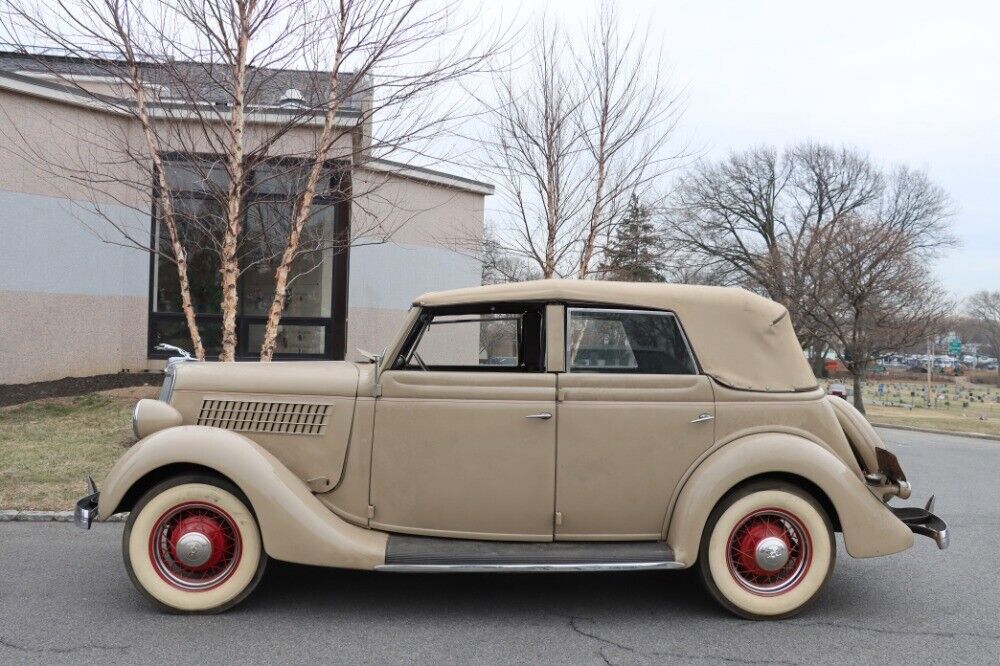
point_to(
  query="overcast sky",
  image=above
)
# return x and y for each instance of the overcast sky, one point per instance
(915, 82)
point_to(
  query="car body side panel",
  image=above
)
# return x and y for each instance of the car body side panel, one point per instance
(276, 406)
(294, 524)
(623, 442)
(349, 499)
(869, 528)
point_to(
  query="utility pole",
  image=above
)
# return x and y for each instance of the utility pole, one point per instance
(930, 369)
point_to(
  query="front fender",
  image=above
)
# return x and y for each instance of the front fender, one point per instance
(294, 525)
(870, 529)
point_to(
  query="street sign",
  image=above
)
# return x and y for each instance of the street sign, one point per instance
(954, 347)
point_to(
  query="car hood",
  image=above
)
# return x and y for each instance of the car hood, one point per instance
(316, 378)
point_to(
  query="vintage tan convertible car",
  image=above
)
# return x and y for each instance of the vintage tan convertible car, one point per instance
(542, 426)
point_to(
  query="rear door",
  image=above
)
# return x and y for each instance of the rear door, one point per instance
(633, 414)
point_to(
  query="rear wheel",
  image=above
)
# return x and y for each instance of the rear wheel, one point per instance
(192, 545)
(767, 550)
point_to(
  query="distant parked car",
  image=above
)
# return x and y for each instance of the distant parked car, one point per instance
(838, 390)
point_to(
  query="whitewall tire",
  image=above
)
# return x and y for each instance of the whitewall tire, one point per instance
(767, 550)
(192, 545)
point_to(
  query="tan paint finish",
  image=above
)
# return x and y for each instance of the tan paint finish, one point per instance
(859, 432)
(624, 441)
(452, 453)
(317, 459)
(149, 416)
(870, 529)
(555, 338)
(764, 356)
(455, 455)
(296, 527)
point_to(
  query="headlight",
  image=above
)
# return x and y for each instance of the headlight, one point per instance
(150, 416)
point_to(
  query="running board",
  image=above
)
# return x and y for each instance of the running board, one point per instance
(430, 555)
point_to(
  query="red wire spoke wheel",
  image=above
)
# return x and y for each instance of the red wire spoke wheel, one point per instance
(195, 546)
(769, 551)
(192, 545)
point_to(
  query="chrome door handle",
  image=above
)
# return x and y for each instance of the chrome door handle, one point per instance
(704, 416)
(545, 416)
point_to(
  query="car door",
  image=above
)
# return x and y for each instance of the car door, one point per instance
(633, 414)
(464, 440)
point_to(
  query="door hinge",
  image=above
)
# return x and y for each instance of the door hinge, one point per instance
(377, 391)
(371, 511)
(558, 518)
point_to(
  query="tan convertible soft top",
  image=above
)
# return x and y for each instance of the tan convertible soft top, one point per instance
(743, 340)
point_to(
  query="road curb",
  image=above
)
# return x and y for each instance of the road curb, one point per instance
(11, 516)
(968, 435)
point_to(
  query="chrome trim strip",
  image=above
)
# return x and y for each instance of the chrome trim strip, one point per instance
(528, 567)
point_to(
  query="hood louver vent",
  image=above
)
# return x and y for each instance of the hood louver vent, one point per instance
(287, 418)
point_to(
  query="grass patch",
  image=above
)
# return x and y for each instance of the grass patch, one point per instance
(48, 447)
(956, 405)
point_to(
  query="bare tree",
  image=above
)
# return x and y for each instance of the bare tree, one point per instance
(873, 291)
(204, 80)
(499, 266)
(574, 136)
(754, 219)
(984, 307)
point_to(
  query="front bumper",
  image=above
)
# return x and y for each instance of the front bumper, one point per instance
(922, 521)
(86, 508)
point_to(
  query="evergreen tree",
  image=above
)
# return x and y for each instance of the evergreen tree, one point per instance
(635, 253)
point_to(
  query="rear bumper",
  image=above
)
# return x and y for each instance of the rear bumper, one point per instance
(922, 521)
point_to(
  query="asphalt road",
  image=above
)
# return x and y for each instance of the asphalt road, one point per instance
(65, 598)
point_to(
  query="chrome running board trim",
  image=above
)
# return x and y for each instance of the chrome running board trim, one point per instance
(522, 567)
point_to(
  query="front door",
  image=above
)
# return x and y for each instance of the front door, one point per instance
(633, 415)
(464, 441)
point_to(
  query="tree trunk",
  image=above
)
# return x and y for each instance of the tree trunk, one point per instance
(859, 401)
(234, 205)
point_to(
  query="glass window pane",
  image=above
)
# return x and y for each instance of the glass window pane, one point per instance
(310, 287)
(469, 340)
(175, 332)
(198, 177)
(627, 342)
(292, 339)
(289, 180)
(199, 222)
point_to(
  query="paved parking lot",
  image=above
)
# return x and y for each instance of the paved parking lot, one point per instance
(65, 598)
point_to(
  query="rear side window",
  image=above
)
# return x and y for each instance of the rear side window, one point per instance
(626, 341)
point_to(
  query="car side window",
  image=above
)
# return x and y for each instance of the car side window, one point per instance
(501, 339)
(626, 341)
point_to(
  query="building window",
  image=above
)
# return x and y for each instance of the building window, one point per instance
(314, 322)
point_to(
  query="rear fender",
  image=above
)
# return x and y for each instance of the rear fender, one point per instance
(870, 529)
(295, 526)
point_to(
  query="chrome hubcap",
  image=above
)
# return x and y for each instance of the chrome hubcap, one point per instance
(771, 554)
(194, 549)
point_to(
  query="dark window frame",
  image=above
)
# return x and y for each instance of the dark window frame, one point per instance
(335, 326)
(624, 309)
(536, 366)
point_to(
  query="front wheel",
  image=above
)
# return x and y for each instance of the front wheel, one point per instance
(192, 545)
(767, 550)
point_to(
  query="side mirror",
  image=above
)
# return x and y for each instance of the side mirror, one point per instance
(377, 360)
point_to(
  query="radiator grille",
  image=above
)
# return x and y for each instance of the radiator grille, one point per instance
(292, 418)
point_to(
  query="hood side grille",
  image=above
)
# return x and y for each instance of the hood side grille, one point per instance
(277, 417)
